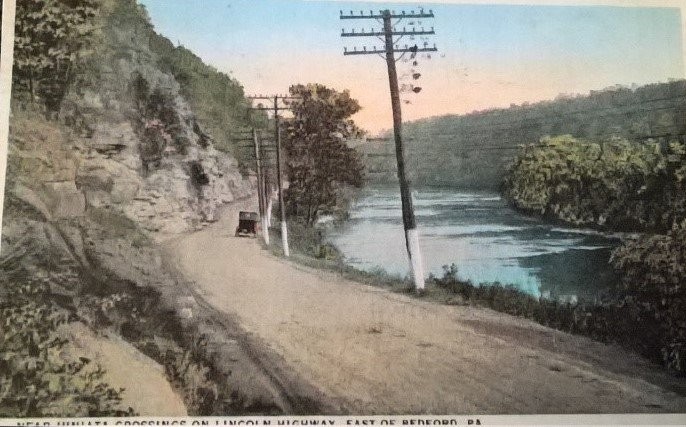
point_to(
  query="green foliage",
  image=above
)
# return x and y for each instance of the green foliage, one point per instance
(621, 186)
(320, 164)
(450, 150)
(310, 241)
(136, 314)
(625, 318)
(36, 378)
(217, 99)
(614, 184)
(653, 272)
(51, 36)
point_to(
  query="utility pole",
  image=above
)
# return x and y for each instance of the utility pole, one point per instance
(254, 140)
(260, 186)
(277, 138)
(388, 53)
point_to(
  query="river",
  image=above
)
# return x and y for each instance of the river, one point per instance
(488, 241)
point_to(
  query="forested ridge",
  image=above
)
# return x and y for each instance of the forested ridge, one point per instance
(474, 150)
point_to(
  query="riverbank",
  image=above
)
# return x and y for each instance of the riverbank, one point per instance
(370, 351)
(614, 318)
(489, 241)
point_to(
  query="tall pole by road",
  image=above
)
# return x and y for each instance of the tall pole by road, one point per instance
(261, 195)
(279, 176)
(279, 179)
(389, 50)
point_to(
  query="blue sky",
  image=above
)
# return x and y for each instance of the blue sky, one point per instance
(489, 55)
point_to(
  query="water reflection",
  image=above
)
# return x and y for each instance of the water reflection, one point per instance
(488, 241)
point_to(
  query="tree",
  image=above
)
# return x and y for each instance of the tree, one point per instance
(50, 37)
(320, 164)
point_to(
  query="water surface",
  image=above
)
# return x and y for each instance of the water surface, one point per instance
(488, 241)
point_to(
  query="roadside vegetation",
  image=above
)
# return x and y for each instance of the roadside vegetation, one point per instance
(36, 378)
(630, 317)
(323, 171)
(93, 264)
(625, 318)
(613, 184)
(616, 185)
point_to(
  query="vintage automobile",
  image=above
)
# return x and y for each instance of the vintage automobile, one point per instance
(247, 224)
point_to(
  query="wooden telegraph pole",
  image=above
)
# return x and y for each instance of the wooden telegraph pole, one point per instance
(277, 138)
(261, 194)
(388, 52)
(254, 139)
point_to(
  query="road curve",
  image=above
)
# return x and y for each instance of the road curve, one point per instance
(380, 352)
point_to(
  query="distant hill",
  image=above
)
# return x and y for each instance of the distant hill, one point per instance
(473, 150)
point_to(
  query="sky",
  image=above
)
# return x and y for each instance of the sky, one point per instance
(488, 55)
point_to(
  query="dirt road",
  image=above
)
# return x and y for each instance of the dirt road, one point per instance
(380, 352)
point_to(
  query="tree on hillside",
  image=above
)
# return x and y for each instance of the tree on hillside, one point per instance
(50, 37)
(320, 165)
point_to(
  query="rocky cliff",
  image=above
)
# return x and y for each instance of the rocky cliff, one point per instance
(94, 185)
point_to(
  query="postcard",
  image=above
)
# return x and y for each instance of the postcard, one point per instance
(250, 212)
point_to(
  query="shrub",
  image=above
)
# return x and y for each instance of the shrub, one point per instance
(624, 318)
(653, 272)
(614, 184)
(36, 378)
(309, 241)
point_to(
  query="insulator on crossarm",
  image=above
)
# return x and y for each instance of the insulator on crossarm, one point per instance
(345, 49)
(364, 48)
(412, 12)
(341, 12)
(371, 13)
(361, 13)
(403, 12)
(355, 48)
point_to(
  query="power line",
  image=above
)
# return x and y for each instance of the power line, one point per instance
(491, 115)
(390, 36)
(279, 103)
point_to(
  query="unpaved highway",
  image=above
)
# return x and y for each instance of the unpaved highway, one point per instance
(378, 352)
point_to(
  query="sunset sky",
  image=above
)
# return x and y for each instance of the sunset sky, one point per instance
(489, 55)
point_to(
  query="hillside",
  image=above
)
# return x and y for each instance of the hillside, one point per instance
(473, 150)
(114, 147)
